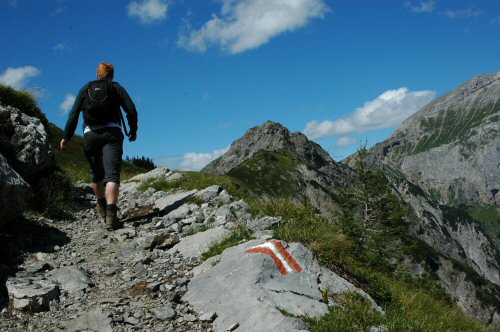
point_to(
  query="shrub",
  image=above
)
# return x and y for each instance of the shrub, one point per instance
(24, 101)
(143, 162)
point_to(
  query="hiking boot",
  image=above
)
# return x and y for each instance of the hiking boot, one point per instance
(101, 208)
(112, 221)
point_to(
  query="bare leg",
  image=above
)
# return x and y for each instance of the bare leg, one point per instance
(98, 189)
(112, 190)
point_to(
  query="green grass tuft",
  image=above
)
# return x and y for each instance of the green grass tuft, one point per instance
(24, 101)
(238, 234)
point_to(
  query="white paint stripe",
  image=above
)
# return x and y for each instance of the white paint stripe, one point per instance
(276, 252)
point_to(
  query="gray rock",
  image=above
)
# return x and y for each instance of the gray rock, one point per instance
(72, 279)
(208, 193)
(29, 142)
(195, 245)
(163, 313)
(181, 212)
(222, 198)
(158, 239)
(175, 177)
(173, 201)
(32, 294)
(93, 320)
(208, 316)
(159, 172)
(264, 223)
(15, 193)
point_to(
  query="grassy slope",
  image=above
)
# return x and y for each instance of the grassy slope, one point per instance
(453, 125)
(410, 305)
(270, 173)
(489, 217)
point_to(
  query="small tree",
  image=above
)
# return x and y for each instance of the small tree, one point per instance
(372, 214)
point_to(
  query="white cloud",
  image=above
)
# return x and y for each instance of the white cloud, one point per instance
(248, 24)
(60, 11)
(191, 161)
(386, 111)
(494, 21)
(61, 47)
(19, 77)
(345, 141)
(66, 105)
(422, 7)
(148, 11)
(465, 13)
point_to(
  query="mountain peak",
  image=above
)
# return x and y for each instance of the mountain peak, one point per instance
(270, 136)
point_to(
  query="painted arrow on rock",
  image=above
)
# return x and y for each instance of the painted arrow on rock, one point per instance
(281, 257)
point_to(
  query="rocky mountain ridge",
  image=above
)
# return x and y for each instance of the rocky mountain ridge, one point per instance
(451, 147)
(307, 170)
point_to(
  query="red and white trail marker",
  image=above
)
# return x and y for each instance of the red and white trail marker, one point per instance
(282, 258)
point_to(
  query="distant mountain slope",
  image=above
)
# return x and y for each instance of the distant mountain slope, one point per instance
(444, 162)
(451, 148)
(275, 162)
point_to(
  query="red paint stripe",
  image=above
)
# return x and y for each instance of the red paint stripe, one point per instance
(286, 255)
(275, 258)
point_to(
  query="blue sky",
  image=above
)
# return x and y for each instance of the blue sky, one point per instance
(203, 72)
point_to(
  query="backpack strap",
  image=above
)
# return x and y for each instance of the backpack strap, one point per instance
(124, 125)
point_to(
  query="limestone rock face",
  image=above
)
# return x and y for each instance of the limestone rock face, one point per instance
(25, 142)
(15, 193)
(24, 152)
(445, 155)
(451, 147)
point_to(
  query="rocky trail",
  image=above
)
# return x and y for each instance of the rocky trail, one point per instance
(74, 275)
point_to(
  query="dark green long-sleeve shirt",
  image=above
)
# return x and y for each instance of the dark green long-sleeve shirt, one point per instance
(126, 104)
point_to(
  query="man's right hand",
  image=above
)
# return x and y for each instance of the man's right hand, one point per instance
(132, 137)
(64, 144)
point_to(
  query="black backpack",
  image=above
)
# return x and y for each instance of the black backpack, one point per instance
(100, 102)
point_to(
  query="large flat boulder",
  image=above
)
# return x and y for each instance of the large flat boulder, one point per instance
(252, 290)
(32, 294)
(197, 244)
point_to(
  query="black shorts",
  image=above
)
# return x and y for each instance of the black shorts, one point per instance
(103, 149)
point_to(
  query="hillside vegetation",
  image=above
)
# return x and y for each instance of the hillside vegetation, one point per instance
(369, 255)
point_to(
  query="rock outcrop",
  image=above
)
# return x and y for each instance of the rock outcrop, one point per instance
(15, 193)
(25, 142)
(25, 151)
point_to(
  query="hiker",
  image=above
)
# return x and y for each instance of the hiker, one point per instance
(100, 102)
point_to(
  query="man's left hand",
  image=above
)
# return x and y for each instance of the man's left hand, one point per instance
(64, 144)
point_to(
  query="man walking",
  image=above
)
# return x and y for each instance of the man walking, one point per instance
(100, 102)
